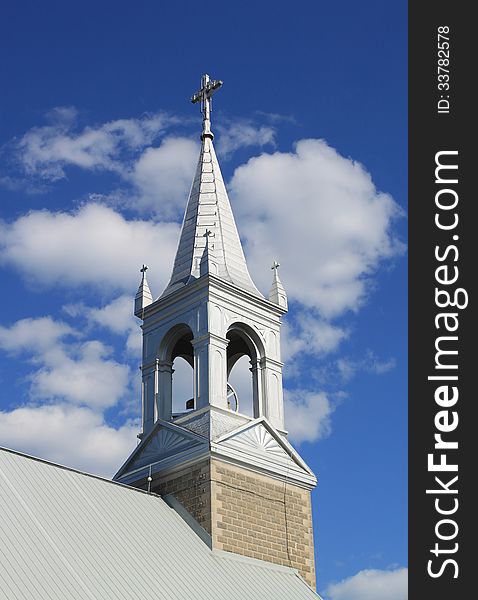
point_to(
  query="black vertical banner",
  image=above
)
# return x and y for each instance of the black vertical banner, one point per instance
(443, 252)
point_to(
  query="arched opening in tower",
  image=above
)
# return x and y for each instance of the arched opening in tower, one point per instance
(182, 357)
(183, 392)
(240, 387)
(241, 360)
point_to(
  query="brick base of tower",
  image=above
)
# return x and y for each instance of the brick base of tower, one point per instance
(247, 513)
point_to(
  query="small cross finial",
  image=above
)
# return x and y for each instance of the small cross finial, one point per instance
(204, 95)
(207, 233)
(143, 269)
(277, 293)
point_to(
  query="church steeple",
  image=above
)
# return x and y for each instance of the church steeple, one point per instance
(208, 208)
(232, 468)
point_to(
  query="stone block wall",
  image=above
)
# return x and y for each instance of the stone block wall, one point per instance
(192, 487)
(248, 513)
(261, 517)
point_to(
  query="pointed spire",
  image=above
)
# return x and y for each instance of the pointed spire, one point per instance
(209, 209)
(277, 293)
(143, 296)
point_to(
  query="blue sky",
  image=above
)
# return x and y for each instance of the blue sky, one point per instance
(98, 144)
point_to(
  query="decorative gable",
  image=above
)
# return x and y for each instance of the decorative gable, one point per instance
(256, 439)
(167, 443)
(258, 445)
(164, 443)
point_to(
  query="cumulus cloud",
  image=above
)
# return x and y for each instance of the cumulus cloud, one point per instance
(70, 435)
(307, 415)
(46, 151)
(155, 179)
(33, 334)
(82, 373)
(319, 213)
(306, 333)
(372, 584)
(162, 177)
(94, 245)
(71, 384)
(117, 316)
(241, 134)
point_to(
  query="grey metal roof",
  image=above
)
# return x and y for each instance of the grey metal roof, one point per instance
(67, 535)
(209, 208)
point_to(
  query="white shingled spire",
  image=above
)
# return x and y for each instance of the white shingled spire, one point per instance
(277, 293)
(209, 209)
(143, 296)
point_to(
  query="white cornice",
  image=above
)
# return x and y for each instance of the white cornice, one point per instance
(209, 284)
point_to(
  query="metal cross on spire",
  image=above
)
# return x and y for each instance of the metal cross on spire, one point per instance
(204, 96)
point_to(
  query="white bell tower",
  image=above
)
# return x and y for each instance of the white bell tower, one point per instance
(211, 314)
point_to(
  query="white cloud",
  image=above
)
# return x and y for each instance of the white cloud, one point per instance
(159, 177)
(347, 368)
(241, 134)
(83, 374)
(162, 177)
(378, 366)
(46, 151)
(77, 437)
(94, 245)
(72, 382)
(78, 372)
(21, 185)
(372, 584)
(117, 316)
(276, 117)
(33, 334)
(321, 215)
(307, 415)
(309, 334)
(370, 363)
